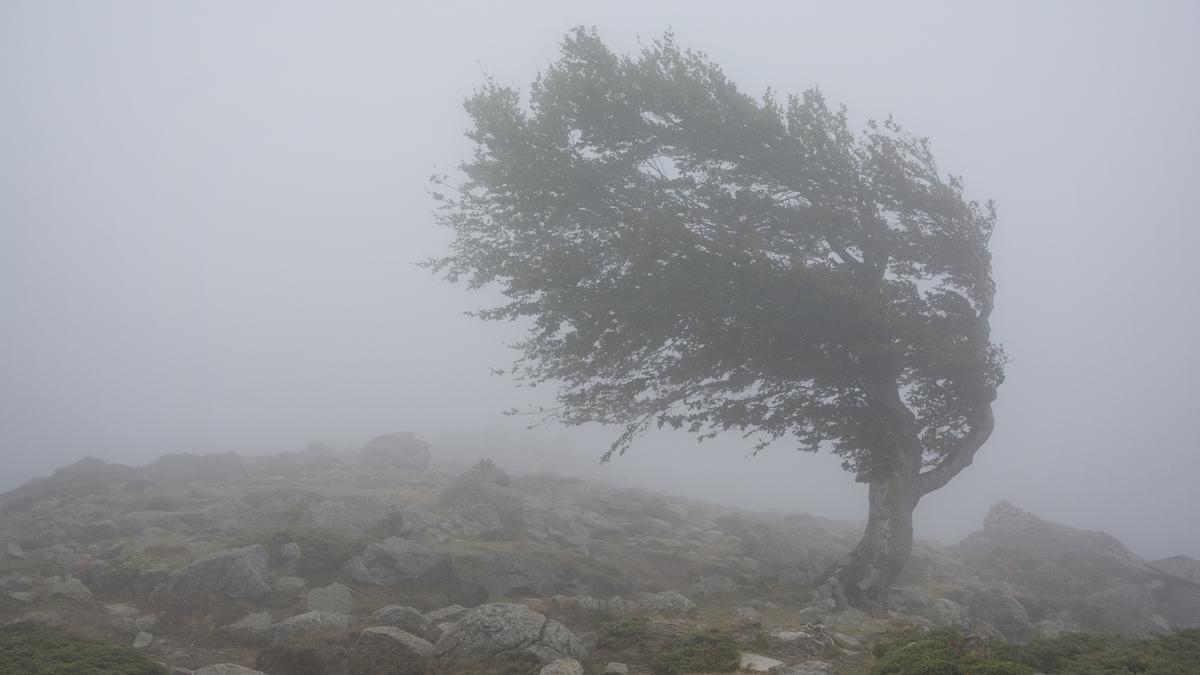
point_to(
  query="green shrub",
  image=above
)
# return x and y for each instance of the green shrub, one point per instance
(949, 653)
(53, 652)
(703, 652)
(942, 652)
(320, 550)
(1085, 654)
(622, 631)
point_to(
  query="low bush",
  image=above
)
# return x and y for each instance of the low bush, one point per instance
(1088, 654)
(622, 631)
(54, 652)
(942, 652)
(703, 652)
(949, 653)
(320, 550)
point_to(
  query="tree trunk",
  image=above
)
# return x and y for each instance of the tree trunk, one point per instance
(866, 577)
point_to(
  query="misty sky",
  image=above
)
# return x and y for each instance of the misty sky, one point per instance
(209, 213)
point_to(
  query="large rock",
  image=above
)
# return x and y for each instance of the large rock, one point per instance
(483, 494)
(308, 623)
(234, 573)
(404, 618)
(66, 587)
(667, 603)
(387, 650)
(797, 549)
(395, 562)
(334, 598)
(1002, 611)
(1048, 558)
(507, 630)
(946, 614)
(252, 629)
(402, 450)
(355, 515)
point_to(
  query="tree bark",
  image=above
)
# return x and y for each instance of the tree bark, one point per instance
(865, 578)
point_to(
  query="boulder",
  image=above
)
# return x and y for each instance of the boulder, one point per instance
(387, 650)
(66, 587)
(401, 450)
(712, 585)
(1002, 611)
(355, 515)
(334, 598)
(290, 630)
(483, 495)
(234, 573)
(252, 629)
(946, 614)
(800, 547)
(404, 618)
(507, 630)
(667, 603)
(395, 562)
(1048, 559)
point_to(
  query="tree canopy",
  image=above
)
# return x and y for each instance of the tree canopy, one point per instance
(694, 257)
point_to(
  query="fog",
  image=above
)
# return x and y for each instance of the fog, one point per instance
(210, 211)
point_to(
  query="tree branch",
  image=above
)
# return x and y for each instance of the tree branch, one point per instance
(962, 456)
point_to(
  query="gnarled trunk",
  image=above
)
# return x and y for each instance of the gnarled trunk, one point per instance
(866, 577)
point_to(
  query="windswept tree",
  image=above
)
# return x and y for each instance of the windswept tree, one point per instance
(692, 257)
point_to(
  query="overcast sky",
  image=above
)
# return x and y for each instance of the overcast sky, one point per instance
(209, 213)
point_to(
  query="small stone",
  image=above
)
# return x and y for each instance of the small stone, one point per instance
(757, 663)
(143, 640)
(616, 669)
(805, 668)
(15, 550)
(562, 667)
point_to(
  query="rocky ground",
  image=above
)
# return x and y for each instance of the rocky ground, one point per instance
(374, 562)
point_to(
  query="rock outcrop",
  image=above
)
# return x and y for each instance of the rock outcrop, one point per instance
(400, 450)
(504, 630)
(234, 573)
(483, 494)
(396, 562)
